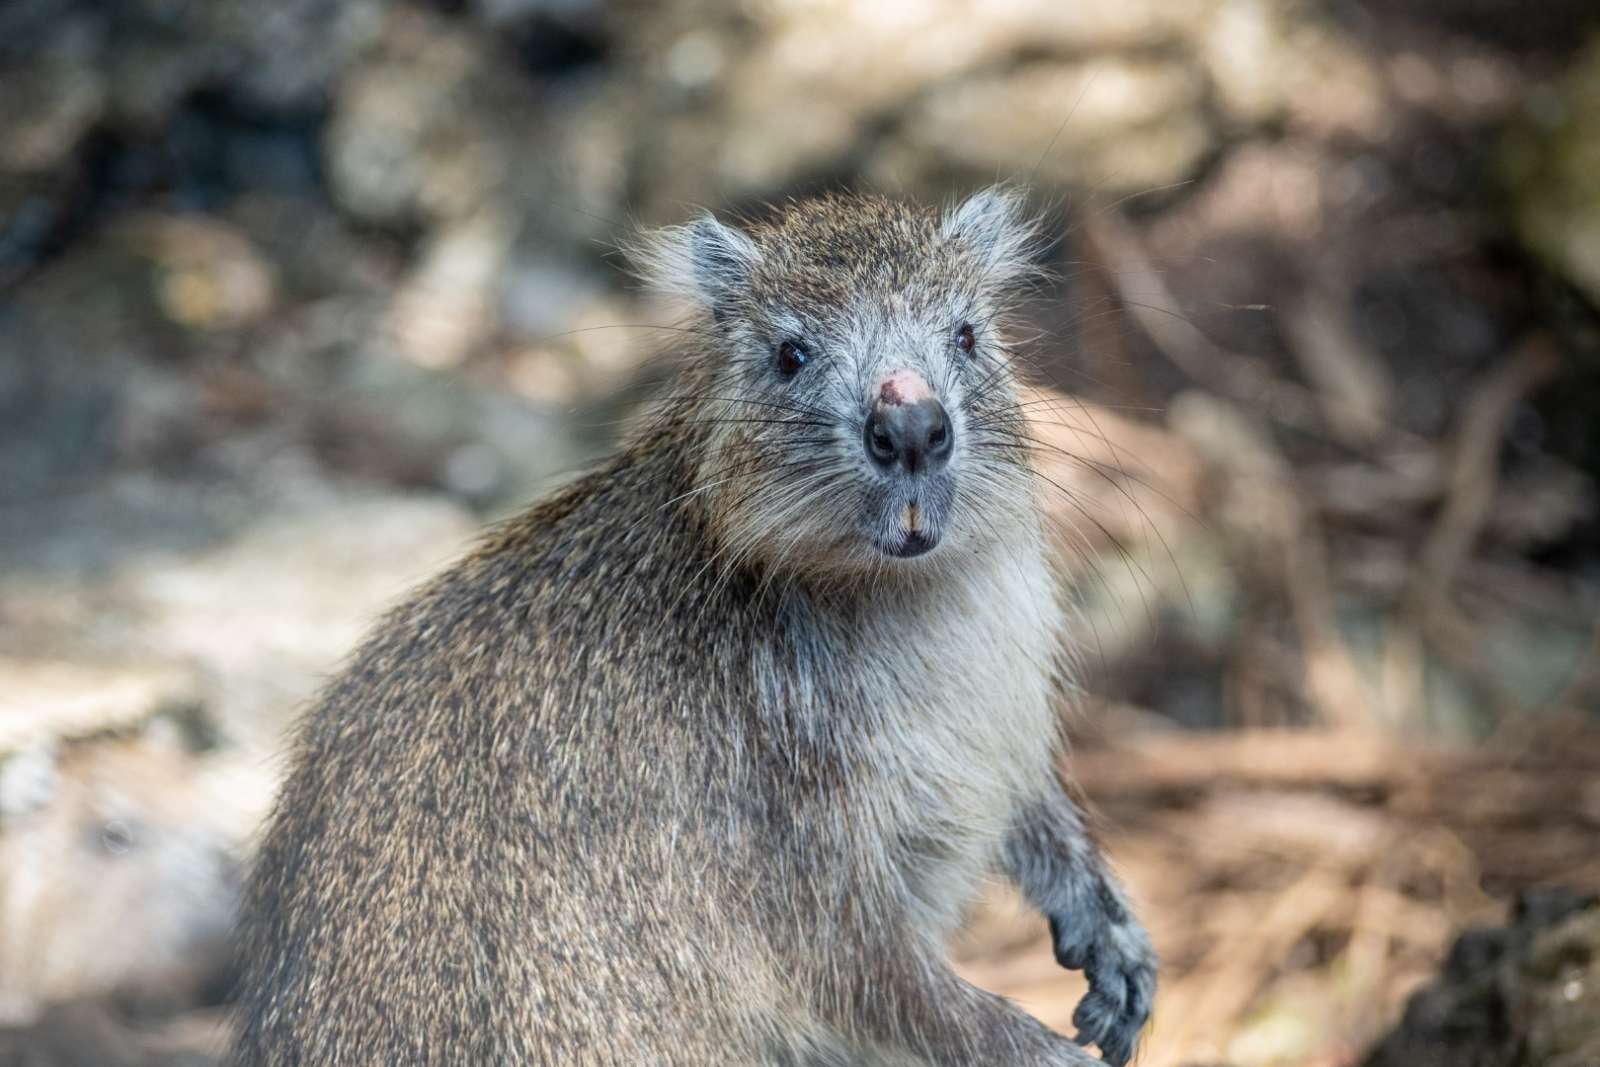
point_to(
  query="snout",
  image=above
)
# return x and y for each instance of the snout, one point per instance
(907, 428)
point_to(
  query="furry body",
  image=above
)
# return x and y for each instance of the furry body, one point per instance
(645, 781)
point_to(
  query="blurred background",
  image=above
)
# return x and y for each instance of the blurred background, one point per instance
(295, 296)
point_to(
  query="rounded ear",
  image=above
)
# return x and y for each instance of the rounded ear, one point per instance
(703, 260)
(995, 225)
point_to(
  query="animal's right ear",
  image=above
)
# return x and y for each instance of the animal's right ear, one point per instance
(703, 260)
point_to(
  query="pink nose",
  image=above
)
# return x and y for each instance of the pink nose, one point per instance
(903, 387)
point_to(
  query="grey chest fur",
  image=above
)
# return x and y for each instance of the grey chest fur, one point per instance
(954, 723)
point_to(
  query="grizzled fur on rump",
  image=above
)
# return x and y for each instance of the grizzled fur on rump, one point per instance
(687, 765)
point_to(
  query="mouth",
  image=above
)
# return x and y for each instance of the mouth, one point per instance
(913, 535)
(912, 544)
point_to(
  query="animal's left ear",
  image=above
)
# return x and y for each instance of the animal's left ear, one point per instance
(994, 225)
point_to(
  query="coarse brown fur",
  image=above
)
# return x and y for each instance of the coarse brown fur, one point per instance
(684, 766)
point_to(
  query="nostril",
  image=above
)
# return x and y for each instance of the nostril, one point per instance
(939, 435)
(880, 442)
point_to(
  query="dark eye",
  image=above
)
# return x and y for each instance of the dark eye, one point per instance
(791, 357)
(965, 338)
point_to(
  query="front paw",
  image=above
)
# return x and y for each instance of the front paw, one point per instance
(1115, 954)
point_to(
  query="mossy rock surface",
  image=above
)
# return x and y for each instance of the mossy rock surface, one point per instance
(1523, 995)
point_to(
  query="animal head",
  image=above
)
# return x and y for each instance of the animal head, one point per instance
(858, 397)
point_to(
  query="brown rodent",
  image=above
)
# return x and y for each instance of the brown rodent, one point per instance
(114, 879)
(699, 761)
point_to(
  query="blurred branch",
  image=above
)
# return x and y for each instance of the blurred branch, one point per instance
(1150, 303)
(1353, 386)
(1342, 759)
(1474, 466)
(1262, 503)
(1471, 484)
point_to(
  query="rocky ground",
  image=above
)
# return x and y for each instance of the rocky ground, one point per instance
(291, 302)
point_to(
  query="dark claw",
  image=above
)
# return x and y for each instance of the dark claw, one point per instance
(1117, 1051)
(1071, 952)
(1096, 1018)
(1121, 973)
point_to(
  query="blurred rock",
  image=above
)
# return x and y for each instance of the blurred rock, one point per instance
(1115, 125)
(500, 12)
(955, 86)
(52, 99)
(1557, 994)
(217, 641)
(209, 277)
(421, 428)
(538, 292)
(266, 616)
(428, 125)
(48, 699)
(114, 878)
(278, 57)
(94, 361)
(158, 287)
(435, 130)
(1283, 61)
(1526, 995)
(316, 255)
(446, 308)
(141, 58)
(97, 1034)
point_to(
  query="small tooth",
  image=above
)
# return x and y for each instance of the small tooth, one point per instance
(910, 518)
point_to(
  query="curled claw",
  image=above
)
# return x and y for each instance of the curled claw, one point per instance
(1121, 969)
(1072, 951)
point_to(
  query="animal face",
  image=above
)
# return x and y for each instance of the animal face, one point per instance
(860, 410)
